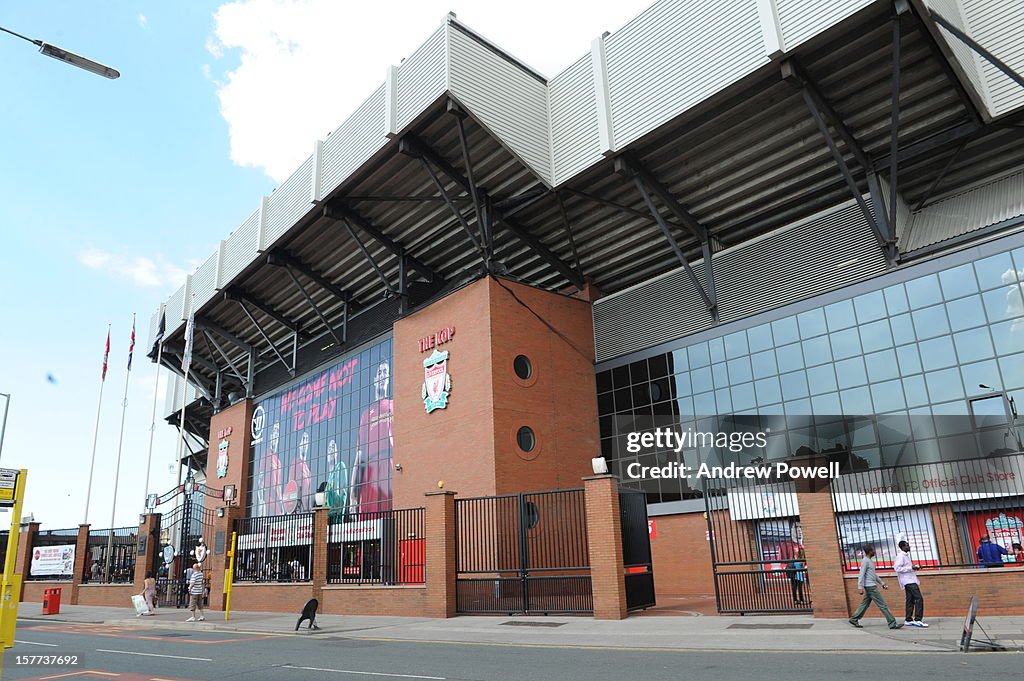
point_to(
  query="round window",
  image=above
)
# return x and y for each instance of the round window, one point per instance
(522, 366)
(526, 439)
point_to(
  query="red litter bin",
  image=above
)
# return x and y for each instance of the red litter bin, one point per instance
(51, 601)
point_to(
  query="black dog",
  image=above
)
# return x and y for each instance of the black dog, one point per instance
(309, 613)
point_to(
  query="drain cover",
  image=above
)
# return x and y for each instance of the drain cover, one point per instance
(514, 623)
(769, 626)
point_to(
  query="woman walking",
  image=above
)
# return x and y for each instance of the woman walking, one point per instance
(149, 593)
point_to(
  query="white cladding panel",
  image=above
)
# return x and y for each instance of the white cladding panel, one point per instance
(965, 57)
(239, 249)
(177, 310)
(172, 399)
(575, 143)
(801, 20)
(154, 324)
(998, 26)
(675, 55)
(289, 202)
(422, 78)
(988, 204)
(503, 97)
(354, 142)
(204, 282)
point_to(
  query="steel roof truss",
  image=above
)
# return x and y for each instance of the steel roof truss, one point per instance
(281, 256)
(455, 209)
(568, 231)
(175, 368)
(899, 8)
(366, 254)
(942, 174)
(460, 116)
(259, 329)
(981, 51)
(240, 295)
(234, 369)
(316, 309)
(341, 212)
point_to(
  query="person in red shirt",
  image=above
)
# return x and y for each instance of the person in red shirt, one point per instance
(300, 480)
(370, 482)
(268, 487)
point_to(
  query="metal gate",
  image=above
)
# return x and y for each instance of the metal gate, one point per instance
(177, 536)
(523, 553)
(636, 550)
(756, 543)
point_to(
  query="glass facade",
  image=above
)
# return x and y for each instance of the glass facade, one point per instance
(913, 372)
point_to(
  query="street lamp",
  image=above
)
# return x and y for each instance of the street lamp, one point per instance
(69, 57)
(3, 427)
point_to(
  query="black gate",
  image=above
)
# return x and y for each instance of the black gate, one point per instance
(756, 543)
(636, 550)
(523, 553)
(178, 535)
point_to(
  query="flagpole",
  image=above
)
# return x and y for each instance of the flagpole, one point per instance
(96, 432)
(156, 394)
(120, 443)
(187, 361)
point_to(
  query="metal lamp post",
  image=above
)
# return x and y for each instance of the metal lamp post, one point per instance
(63, 55)
(3, 426)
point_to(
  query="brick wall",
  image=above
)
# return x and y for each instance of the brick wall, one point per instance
(947, 593)
(409, 601)
(32, 592)
(112, 595)
(237, 418)
(270, 597)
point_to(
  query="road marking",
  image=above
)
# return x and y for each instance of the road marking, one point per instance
(176, 657)
(33, 643)
(64, 676)
(350, 671)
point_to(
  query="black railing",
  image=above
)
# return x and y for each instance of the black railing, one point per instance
(941, 509)
(380, 547)
(760, 587)
(122, 543)
(275, 548)
(56, 561)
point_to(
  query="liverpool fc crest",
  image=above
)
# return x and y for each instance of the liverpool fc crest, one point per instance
(437, 383)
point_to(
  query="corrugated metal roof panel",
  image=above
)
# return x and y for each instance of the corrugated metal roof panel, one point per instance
(289, 202)
(240, 248)
(574, 138)
(996, 26)
(422, 78)
(354, 142)
(801, 20)
(203, 281)
(965, 57)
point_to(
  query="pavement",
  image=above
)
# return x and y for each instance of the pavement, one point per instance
(769, 633)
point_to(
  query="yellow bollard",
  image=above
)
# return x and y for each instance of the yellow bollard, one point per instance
(229, 576)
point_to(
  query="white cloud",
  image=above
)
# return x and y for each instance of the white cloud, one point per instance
(137, 269)
(300, 67)
(143, 21)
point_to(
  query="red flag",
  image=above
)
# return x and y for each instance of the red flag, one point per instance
(106, 354)
(131, 345)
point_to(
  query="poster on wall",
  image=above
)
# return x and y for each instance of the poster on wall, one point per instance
(53, 560)
(775, 538)
(1003, 527)
(330, 433)
(884, 530)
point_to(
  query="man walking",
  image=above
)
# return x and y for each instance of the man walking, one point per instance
(867, 585)
(911, 586)
(196, 591)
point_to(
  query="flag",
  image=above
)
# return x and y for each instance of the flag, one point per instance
(131, 345)
(160, 330)
(186, 358)
(106, 355)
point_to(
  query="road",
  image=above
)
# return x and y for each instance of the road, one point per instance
(190, 654)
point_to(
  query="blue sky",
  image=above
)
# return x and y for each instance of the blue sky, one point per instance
(111, 191)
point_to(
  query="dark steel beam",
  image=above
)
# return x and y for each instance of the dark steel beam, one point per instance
(234, 369)
(894, 131)
(366, 254)
(971, 43)
(460, 125)
(568, 230)
(203, 323)
(312, 304)
(514, 204)
(196, 357)
(617, 206)
(259, 329)
(280, 256)
(947, 68)
(947, 137)
(942, 174)
(626, 165)
(339, 211)
(238, 294)
(455, 209)
(174, 367)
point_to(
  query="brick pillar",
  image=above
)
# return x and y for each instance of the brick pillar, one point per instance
(24, 560)
(149, 532)
(440, 570)
(604, 540)
(320, 539)
(821, 545)
(219, 560)
(81, 546)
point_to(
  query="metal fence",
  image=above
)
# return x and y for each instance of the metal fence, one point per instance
(381, 547)
(120, 544)
(943, 510)
(56, 560)
(275, 548)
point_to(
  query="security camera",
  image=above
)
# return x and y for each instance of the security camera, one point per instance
(599, 465)
(398, 466)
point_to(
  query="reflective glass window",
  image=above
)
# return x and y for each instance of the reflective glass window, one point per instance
(620, 376)
(679, 360)
(1003, 303)
(763, 364)
(882, 366)
(659, 365)
(856, 401)
(902, 329)
(704, 404)
(785, 330)
(798, 407)
(789, 357)
(909, 360)
(821, 379)
(937, 353)
(994, 271)
(720, 375)
(604, 381)
(1012, 368)
(739, 370)
(826, 405)
(638, 372)
(973, 345)
(958, 282)
(951, 418)
(1008, 337)
(845, 343)
(862, 432)
(894, 428)
(981, 373)
(817, 351)
(1018, 259)
(716, 347)
(743, 396)
(876, 335)
(723, 401)
(965, 313)
(840, 315)
(768, 391)
(915, 391)
(850, 372)
(812, 323)
(701, 380)
(685, 407)
(698, 355)
(896, 299)
(870, 306)
(760, 338)
(682, 382)
(888, 396)
(736, 344)
(923, 291)
(794, 385)
(930, 322)
(944, 385)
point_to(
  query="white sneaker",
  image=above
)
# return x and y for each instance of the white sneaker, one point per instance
(921, 624)
(191, 619)
(202, 619)
(909, 623)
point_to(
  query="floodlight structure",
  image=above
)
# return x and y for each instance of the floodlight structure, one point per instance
(63, 55)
